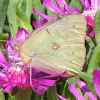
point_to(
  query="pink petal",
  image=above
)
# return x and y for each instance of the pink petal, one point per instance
(95, 3)
(22, 35)
(85, 4)
(96, 81)
(11, 41)
(74, 91)
(90, 34)
(11, 53)
(47, 82)
(40, 92)
(51, 6)
(7, 89)
(3, 61)
(61, 98)
(43, 15)
(2, 76)
(90, 21)
(64, 5)
(77, 10)
(36, 24)
(44, 84)
(45, 20)
(40, 20)
(84, 88)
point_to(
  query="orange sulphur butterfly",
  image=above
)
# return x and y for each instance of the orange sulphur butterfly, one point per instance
(57, 46)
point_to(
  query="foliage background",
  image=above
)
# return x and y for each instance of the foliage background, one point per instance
(17, 14)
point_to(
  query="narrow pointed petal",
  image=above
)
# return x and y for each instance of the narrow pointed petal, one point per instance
(11, 40)
(85, 89)
(3, 61)
(47, 82)
(40, 92)
(85, 4)
(95, 3)
(61, 98)
(51, 6)
(43, 15)
(36, 24)
(96, 81)
(77, 10)
(64, 5)
(91, 34)
(11, 53)
(3, 76)
(7, 89)
(74, 91)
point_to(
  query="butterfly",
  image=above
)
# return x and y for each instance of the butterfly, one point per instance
(57, 46)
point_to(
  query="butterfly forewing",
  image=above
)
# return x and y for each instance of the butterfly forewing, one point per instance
(58, 47)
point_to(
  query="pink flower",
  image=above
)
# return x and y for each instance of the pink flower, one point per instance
(90, 9)
(17, 74)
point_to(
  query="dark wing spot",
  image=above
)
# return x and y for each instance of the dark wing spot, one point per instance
(55, 46)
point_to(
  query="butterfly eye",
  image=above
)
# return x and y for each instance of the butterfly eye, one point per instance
(55, 46)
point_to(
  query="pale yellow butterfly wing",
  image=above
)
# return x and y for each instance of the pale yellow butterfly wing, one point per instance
(57, 47)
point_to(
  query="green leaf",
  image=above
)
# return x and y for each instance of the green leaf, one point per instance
(97, 26)
(94, 60)
(76, 4)
(23, 21)
(52, 93)
(3, 12)
(5, 36)
(67, 1)
(86, 77)
(0, 39)
(38, 6)
(89, 48)
(12, 17)
(23, 94)
(66, 93)
(51, 13)
(2, 95)
(29, 9)
(92, 89)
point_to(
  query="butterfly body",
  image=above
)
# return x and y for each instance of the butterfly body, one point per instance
(57, 47)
